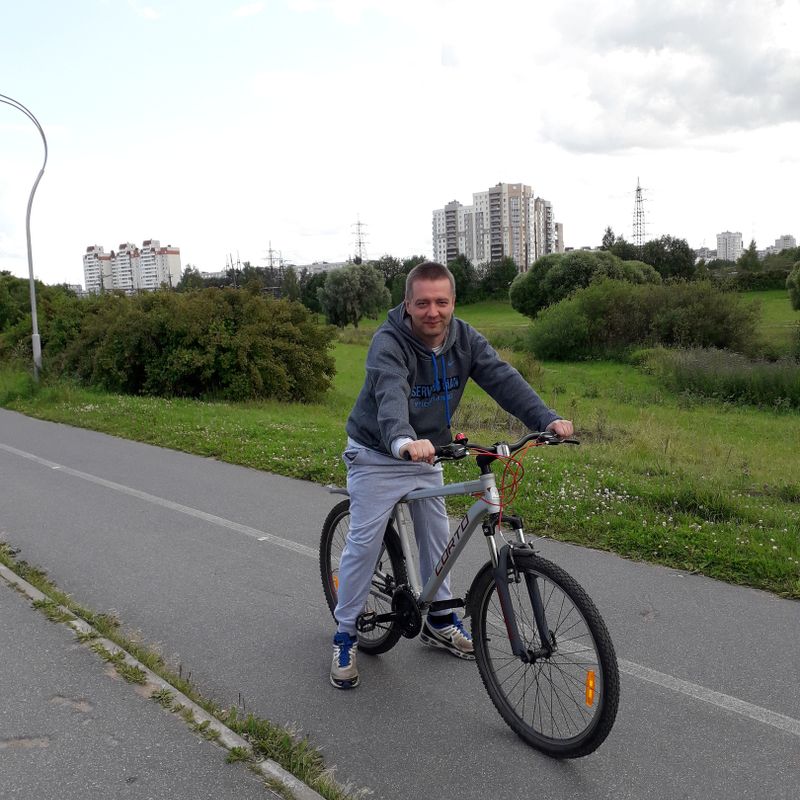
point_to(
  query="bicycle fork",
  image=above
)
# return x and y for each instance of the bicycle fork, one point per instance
(504, 564)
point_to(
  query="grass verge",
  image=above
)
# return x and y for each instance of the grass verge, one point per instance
(703, 485)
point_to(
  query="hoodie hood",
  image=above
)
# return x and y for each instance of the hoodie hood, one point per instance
(410, 391)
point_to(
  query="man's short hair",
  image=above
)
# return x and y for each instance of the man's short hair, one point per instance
(428, 271)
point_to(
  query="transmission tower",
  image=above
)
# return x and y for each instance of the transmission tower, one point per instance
(638, 219)
(361, 240)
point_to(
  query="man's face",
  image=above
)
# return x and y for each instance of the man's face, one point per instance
(431, 309)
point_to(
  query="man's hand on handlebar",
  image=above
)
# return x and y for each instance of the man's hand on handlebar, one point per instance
(420, 450)
(561, 427)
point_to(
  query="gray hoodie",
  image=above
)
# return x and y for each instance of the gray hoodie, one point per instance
(409, 391)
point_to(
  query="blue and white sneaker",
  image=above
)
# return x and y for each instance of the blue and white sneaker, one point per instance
(344, 671)
(448, 633)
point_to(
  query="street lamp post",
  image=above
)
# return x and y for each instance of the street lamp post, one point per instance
(36, 344)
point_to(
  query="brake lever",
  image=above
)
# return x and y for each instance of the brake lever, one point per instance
(454, 451)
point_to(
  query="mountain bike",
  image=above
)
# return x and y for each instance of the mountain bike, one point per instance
(542, 649)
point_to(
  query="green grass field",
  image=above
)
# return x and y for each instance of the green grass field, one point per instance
(703, 486)
(779, 321)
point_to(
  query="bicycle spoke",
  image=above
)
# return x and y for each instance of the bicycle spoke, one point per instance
(549, 695)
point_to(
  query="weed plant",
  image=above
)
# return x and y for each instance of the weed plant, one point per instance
(726, 376)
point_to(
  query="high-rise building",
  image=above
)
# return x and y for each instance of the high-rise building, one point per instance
(785, 242)
(450, 231)
(125, 267)
(559, 237)
(130, 268)
(544, 228)
(729, 245)
(505, 220)
(158, 266)
(96, 270)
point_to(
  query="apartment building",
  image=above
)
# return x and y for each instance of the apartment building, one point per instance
(729, 245)
(96, 270)
(158, 266)
(125, 267)
(505, 220)
(130, 268)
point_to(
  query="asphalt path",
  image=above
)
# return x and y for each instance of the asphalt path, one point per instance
(217, 564)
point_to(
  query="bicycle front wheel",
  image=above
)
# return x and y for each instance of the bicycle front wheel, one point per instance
(390, 572)
(563, 704)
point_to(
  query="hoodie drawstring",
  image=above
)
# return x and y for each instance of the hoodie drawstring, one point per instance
(437, 385)
(446, 396)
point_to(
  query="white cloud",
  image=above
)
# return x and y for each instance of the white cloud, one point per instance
(249, 10)
(389, 110)
(147, 12)
(655, 73)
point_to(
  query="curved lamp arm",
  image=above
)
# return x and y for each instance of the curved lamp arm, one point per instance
(35, 340)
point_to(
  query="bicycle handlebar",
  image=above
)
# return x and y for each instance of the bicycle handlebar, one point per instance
(459, 448)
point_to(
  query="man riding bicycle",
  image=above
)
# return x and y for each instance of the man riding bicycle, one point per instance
(417, 366)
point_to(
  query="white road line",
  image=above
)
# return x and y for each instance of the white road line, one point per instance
(262, 536)
(726, 701)
(694, 690)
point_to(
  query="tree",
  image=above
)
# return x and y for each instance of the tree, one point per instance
(397, 287)
(497, 278)
(720, 264)
(624, 249)
(351, 293)
(608, 239)
(785, 259)
(373, 296)
(389, 267)
(672, 257)
(748, 260)
(310, 284)
(466, 279)
(556, 276)
(290, 285)
(793, 285)
(191, 279)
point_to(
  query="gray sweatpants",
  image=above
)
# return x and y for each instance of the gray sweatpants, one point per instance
(376, 482)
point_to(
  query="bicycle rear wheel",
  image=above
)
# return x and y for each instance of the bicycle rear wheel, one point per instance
(390, 572)
(563, 704)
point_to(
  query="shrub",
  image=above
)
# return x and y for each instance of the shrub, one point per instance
(556, 276)
(59, 312)
(561, 333)
(753, 281)
(222, 343)
(793, 285)
(527, 292)
(608, 318)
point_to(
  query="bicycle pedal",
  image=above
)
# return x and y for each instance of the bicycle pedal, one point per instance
(366, 622)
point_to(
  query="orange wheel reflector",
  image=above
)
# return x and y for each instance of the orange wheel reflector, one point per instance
(336, 582)
(590, 688)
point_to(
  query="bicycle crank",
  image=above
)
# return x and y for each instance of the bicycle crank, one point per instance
(405, 612)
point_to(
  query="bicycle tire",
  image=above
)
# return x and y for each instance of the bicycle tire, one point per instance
(547, 703)
(390, 572)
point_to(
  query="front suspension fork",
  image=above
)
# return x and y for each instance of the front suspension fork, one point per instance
(505, 562)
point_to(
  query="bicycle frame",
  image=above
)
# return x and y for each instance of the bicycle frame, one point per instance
(488, 501)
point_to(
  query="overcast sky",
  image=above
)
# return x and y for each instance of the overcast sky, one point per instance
(220, 126)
